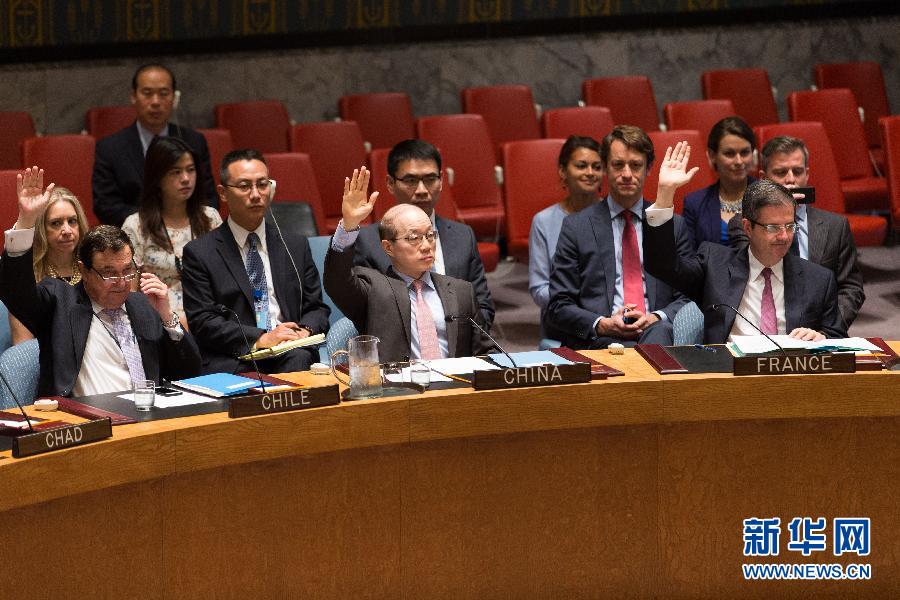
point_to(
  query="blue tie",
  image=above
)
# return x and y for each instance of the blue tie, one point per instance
(257, 274)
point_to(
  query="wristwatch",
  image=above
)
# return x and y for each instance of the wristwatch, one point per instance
(173, 322)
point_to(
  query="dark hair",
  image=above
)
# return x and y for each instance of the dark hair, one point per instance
(764, 192)
(783, 144)
(729, 126)
(412, 150)
(633, 137)
(162, 155)
(148, 66)
(236, 156)
(574, 143)
(100, 239)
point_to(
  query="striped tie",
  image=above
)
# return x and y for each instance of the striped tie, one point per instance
(127, 343)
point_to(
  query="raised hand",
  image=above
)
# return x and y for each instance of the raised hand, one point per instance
(32, 200)
(673, 173)
(157, 294)
(355, 207)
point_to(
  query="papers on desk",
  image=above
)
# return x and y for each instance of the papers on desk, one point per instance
(758, 344)
(183, 399)
(530, 359)
(449, 366)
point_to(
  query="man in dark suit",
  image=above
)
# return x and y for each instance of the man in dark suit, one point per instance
(97, 336)
(414, 177)
(248, 267)
(600, 292)
(822, 237)
(414, 312)
(773, 289)
(119, 160)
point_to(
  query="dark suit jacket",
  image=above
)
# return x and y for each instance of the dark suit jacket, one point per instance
(119, 172)
(214, 273)
(461, 258)
(583, 279)
(60, 317)
(718, 275)
(830, 245)
(703, 216)
(378, 304)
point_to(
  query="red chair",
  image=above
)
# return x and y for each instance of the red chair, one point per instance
(16, 128)
(259, 124)
(219, 143)
(9, 206)
(890, 136)
(591, 121)
(531, 185)
(101, 121)
(823, 175)
(508, 110)
(699, 115)
(466, 148)
(296, 181)
(748, 89)
(836, 110)
(866, 81)
(629, 98)
(67, 160)
(335, 149)
(384, 118)
(703, 178)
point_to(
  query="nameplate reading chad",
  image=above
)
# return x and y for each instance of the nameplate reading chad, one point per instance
(793, 364)
(276, 402)
(61, 437)
(532, 376)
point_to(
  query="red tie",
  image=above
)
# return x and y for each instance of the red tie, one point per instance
(632, 272)
(768, 321)
(428, 339)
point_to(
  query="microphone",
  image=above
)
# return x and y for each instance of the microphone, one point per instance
(19, 404)
(753, 325)
(451, 318)
(225, 311)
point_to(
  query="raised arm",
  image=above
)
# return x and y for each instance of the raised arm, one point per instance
(355, 207)
(32, 200)
(673, 174)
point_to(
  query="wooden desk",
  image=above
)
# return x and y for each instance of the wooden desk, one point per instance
(634, 486)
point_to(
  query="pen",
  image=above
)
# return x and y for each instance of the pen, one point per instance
(704, 348)
(448, 376)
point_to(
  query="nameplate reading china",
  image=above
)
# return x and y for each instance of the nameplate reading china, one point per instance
(793, 364)
(61, 437)
(276, 402)
(532, 376)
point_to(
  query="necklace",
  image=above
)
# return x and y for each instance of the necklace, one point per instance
(73, 280)
(729, 206)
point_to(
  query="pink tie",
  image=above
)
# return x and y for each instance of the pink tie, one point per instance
(428, 340)
(632, 272)
(768, 322)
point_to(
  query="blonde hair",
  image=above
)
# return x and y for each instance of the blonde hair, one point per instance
(41, 246)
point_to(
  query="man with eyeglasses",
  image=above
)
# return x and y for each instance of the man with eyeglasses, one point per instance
(413, 311)
(118, 176)
(779, 292)
(414, 177)
(98, 336)
(268, 284)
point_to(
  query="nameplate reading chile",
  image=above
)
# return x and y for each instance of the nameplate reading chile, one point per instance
(276, 402)
(532, 376)
(61, 437)
(795, 364)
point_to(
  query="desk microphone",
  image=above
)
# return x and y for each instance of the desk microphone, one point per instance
(19, 404)
(752, 324)
(225, 311)
(451, 318)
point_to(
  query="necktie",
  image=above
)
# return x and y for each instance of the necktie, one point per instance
(127, 343)
(768, 321)
(257, 274)
(632, 272)
(428, 340)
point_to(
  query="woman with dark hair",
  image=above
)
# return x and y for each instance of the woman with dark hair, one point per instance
(580, 174)
(171, 214)
(731, 150)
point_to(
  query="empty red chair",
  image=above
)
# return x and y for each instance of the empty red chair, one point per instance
(591, 121)
(508, 111)
(335, 149)
(9, 208)
(219, 143)
(823, 175)
(296, 181)
(259, 124)
(16, 128)
(384, 118)
(67, 160)
(748, 89)
(466, 148)
(629, 98)
(836, 109)
(699, 115)
(703, 178)
(890, 136)
(101, 121)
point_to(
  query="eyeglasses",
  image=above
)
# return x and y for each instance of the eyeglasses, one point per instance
(412, 181)
(244, 187)
(776, 228)
(416, 238)
(111, 279)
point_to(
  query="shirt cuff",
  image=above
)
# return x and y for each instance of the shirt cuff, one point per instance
(658, 216)
(19, 241)
(343, 238)
(662, 316)
(176, 334)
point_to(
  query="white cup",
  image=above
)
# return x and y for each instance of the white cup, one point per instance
(144, 394)
(420, 372)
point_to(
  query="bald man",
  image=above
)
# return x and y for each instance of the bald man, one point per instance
(414, 312)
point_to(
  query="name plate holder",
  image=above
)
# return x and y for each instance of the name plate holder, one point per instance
(540, 375)
(795, 364)
(58, 438)
(277, 402)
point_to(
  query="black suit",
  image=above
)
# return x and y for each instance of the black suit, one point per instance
(60, 316)
(214, 273)
(461, 258)
(119, 172)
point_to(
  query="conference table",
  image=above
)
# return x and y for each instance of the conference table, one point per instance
(633, 486)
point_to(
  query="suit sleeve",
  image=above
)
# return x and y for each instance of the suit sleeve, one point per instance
(684, 247)
(670, 260)
(179, 359)
(691, 205)
(564, 312)
(480, 343)
(348, 291)
(850, 293)
(110, 206)
(832, 322)
(737, 237)
(24, 299)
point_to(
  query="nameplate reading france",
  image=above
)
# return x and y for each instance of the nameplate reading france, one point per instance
(532, 376)
(61, 437)
(795, 364)
(276, 402)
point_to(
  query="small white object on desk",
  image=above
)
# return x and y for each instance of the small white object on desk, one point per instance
(46, 404)
(616, 348)
(320, 369)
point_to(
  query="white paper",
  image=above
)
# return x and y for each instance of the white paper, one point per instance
(15, 424)
(755, 344)
(185, 398)
(450, 366)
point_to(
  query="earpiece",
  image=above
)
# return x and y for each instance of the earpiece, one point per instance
(176, 100)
